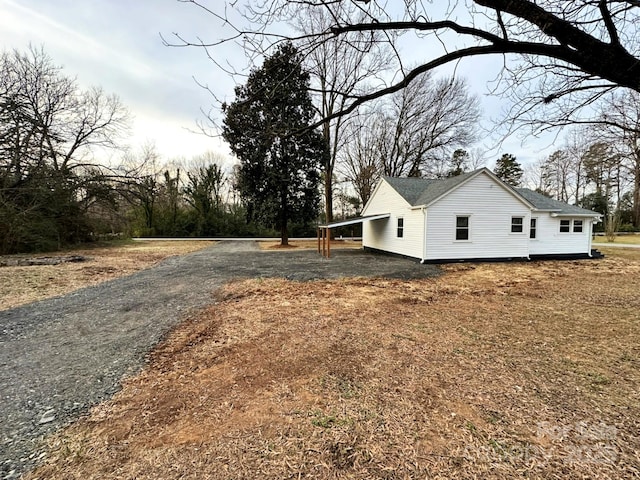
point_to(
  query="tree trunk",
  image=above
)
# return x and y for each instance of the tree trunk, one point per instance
(636, 192)
(284, 217)
(328, 196)
(284, 235)
(328, 174)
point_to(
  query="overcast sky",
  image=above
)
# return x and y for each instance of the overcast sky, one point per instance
(116, 44)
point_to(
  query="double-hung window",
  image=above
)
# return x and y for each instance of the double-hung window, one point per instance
(517, 224)
(400, 229)
(565, 226)
(577, 226)
(533, 227)
(462, 227)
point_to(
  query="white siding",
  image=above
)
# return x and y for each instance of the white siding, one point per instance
(549, 240)
(490, 207)
(382, 234)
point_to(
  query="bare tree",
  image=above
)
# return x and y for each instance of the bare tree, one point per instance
(533, 177)
(577, 143)
(620, 126)
(361, 162)
(339, 67)
(411, 133)
(559, 56)
(140, 186)
(602, 169)
(556, 175)
(49, 129)
(423, 124)
(204, 190)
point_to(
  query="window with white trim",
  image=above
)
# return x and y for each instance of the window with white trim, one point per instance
(577, 226)
(517, 224)
(533, 227)
(462, 227)
(400, 227)
(565, 226)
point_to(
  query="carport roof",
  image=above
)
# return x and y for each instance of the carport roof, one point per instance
(355, 220)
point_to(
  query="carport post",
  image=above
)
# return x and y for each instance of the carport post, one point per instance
(324, 236)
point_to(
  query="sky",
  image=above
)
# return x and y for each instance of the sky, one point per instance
(116, 44)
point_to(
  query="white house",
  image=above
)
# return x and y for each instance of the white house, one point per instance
(474, 216)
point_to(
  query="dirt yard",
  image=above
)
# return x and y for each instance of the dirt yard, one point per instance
(310, 244)
(20, 285)
(489, 371)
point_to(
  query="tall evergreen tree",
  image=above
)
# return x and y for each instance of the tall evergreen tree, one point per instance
(509, 170)
(280, 157)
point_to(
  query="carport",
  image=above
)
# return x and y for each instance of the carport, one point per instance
(324, 231)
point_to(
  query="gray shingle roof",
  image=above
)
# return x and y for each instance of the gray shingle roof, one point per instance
(542, 202)
(422, 191)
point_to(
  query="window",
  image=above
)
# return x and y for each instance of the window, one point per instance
(565, 226)
(532, 228)
(462, 228)
(517, 224)
(577, 226)
(400, 233)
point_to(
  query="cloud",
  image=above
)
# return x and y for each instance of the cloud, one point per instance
(116, 45)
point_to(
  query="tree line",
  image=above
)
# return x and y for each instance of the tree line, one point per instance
(55, 190)
(49, 130)
(598, 168)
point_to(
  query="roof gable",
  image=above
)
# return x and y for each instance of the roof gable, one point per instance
(423, 192)
(410, 188)
(379, 185)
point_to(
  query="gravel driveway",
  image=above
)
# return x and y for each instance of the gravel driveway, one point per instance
(58, 357)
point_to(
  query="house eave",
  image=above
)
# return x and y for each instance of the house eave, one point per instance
(573, 215)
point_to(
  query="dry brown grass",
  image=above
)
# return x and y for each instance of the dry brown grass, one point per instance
(491, 371)
(624, 239)
(309, 244)
(22, 285)
(620, 252)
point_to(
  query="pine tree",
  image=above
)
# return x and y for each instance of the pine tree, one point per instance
(267, 127)
(509, 170)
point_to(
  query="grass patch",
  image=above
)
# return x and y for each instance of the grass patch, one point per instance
(620, 253)
(622, 239)
(106, 260)
(320, 419)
